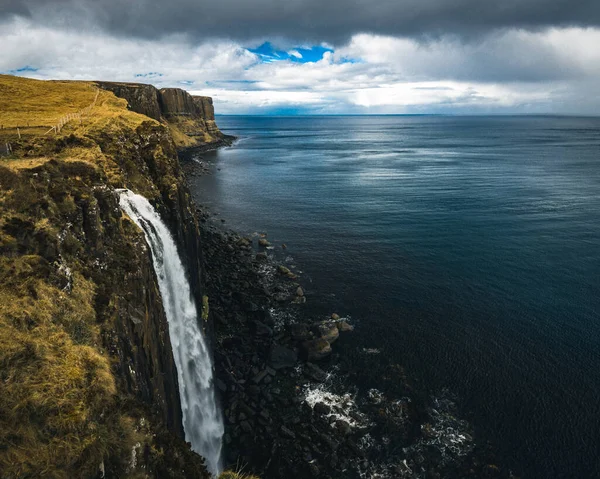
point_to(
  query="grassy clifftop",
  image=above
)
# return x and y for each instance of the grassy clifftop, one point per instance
(87, 381)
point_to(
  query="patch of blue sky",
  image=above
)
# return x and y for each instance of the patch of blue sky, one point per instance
(216, 83)
(25, 69)
(268, 53)
(148, 75)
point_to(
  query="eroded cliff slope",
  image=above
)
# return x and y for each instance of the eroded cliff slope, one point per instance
(191, 119)
(88, 386)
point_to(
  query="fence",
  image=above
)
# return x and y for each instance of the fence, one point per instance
(74, 116)
(6, 133)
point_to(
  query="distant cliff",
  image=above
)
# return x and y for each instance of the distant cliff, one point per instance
(191, 119)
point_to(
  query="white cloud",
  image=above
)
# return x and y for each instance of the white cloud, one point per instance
(555, 71)
(61, 55)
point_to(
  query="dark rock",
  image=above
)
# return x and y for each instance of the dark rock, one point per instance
(263, 242)
(343, 427)
(253, 390)
(265, 414)
(281, 297)
(299, 332)
(331, 443)
(246, 427)
(221, 385)
(282, 357)
(322, 408)
(316, 349)
(261, 256)
(262, 329)
(335, 316)
(260, 376)
(355, 448)
(315, 372)
(287, 433)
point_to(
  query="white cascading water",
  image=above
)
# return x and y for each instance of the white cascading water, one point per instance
(202, 421)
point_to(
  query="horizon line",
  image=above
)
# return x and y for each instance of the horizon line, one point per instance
(560, 115)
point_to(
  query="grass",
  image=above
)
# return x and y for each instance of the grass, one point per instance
(236, 475)
(35, 106)
(56, 388)
(25, 102)
(61, 411)
(59, 404)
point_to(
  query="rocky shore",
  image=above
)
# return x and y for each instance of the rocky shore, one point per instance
(294, 406)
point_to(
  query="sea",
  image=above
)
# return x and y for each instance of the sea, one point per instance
(466, 249)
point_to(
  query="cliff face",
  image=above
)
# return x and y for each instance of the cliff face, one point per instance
(191, 119)
(174, 101)
(140, 97)
(87, 376)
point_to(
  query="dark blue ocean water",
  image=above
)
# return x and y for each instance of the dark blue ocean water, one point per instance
(468, 249)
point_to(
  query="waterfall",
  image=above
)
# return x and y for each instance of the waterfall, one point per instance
(202, 420)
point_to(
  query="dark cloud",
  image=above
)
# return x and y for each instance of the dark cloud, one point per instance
(305, 20)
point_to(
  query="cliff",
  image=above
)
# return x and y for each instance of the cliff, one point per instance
(88, 385)
(190, 119)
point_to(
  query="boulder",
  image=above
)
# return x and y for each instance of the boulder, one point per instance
(322, 408)
(344, 327)
(261, 329)
(283, 270)
(299, 332)
(328, 331)
(263, 242)
(282, 357)
(287, 433)
(315, 372)
(286, 272)
(343, 427)
(316, 349)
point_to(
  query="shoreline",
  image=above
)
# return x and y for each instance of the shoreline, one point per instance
(225, 141)
(313, 418)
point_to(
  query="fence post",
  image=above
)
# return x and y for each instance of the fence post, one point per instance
(19, 133)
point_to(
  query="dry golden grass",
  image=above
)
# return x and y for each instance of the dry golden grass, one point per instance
(56, 389)
(35, 106)
(236, 475)
(25, 102)
(60, 412)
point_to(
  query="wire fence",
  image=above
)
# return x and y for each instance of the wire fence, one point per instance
(9, 133)
(74, 116)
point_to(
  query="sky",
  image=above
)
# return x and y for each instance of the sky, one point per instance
(322, 56)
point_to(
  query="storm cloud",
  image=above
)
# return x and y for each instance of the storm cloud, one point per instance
(333, 21)
(322, 56)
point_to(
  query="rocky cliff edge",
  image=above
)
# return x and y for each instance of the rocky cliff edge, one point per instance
(88, 385)
(191, 119)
